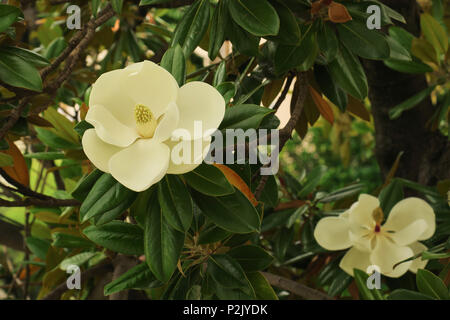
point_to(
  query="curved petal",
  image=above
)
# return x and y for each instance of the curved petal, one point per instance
(361, 242)
(186, 155)
(109, 129)
(417, 263)
(168, 123)
(140, 165)
(333, 233)
(202, 103)
(360, 214)
(410, 233)
(108, 92)
(355, 259)
(97, 151)
(387, 254)
(150, 85)
(409, 210)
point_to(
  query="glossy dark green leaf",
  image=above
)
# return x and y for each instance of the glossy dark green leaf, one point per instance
(82, 126)
(226, 271)
(256, 16)
(38, 247)
(85, 185)
(364, 292)
(413, 67)
(369, 44)
(220, 75)
(339, 283)
(431, 285)
(45, 155)
(107, 197)
(209, 180)
(289, 32)
(8, 15)
(232, 212)
(347, 71)
(190, 30)
(17, 72)
(329, 88)
(328, 42)
(162, 243)
(138, 277)
(27, 55)
(63, 240)
(251, 257)
(117, 5)
(117, 236)
(243, 41)
(397, 111)
(175, 62)
(217, 29)
(244, 116)
(403, 294)
(176, 203)
(52, 140)
(261, 286)
(390, 195)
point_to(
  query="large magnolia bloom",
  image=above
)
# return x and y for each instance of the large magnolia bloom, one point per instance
(138, 114)
(373, 244)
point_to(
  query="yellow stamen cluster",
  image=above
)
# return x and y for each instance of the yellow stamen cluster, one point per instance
(145, 121)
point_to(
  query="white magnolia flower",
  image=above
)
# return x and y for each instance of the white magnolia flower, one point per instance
(135, 113)
(373, 244)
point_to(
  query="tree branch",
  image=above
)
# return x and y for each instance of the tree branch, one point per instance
(296, 288)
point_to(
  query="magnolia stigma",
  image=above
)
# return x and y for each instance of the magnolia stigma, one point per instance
(145, 121)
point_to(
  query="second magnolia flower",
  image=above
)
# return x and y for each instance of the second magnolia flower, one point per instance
(136, 111)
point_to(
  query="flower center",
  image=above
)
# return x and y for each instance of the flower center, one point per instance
(378, 216)
(145, 121)
(377, 228)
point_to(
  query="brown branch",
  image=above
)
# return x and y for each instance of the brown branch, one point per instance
(284, 93)
(172, 4)
(49, 203)
(296, 288)
(20, 188)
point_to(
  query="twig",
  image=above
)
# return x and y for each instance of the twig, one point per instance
(296, 288)
(284, 93)
(49, 203)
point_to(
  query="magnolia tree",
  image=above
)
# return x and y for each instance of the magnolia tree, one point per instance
(140, 146)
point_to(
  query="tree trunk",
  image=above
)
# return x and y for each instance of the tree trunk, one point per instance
(426, 157)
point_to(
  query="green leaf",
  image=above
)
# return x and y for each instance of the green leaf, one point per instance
(342, 193)
(62, 126)
(434, 33)
(63, 240)
(82, 126)
(226, 271)
(55, 48)
(51, 139)
(117, 236)
(261, 286)
(401, 36)
(209, 180)
(176, 202)
(8, 15)
(175, 62)
(256, 16)
(107, 197)
(251, 257)
(85, 185)
(243, 41)
(227, 90)
(38, 246)
(217, 29)
(147, 2)
(312, 181)
(289, 32)
(369, 44)
(361, 282)
(328, 42)
(397, 111)
(431, 285)
(232, 212)
(117, 6)
(17, 72)
(138, 277)
(329, 88)
(244, 116)
(339, 283)
(162, 243)
(390, 195)
(413, 67)
(27, 55)
(221, 74)
(403, 294)
(6, 160)
(347, 71)
(77, 259)
(190, 30)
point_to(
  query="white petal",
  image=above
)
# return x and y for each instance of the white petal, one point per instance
(361, 242)
(409, 210)
(150, 85)
(140, 165)
(355, 259)
(360, 214)
(109, 129)
(387, 254)
(97, 151)
(417, 263)
(409, 234)
(108, 92)
(186, 155)
(198, 101)
(168, 123)
(333, 233)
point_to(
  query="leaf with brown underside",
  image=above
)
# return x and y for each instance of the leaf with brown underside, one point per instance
(322, 105)
(19, 171)
(237, 182)
(357, 108)
(338, 13)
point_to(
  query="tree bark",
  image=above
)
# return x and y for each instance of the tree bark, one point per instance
(426, 157)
